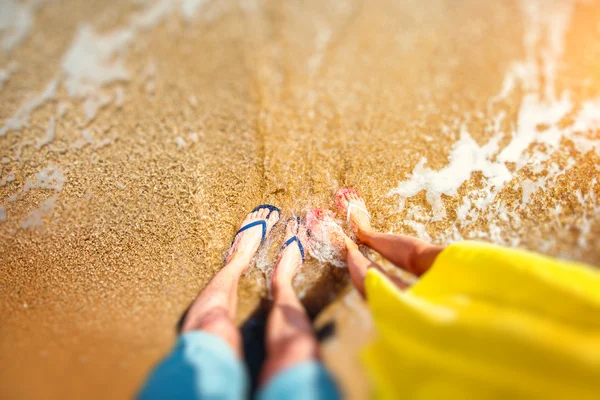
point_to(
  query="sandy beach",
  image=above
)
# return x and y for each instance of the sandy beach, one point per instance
(136, 135)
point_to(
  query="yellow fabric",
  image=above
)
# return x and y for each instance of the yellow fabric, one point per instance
(487, 322)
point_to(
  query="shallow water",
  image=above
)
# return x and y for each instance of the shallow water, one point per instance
(136, 135)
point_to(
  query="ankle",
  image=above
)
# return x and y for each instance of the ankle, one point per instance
(238, 262)
(364, 234)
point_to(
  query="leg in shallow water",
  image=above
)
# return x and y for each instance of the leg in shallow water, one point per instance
(407, 252)
(290, 339)
(358, 265)
(214, 308)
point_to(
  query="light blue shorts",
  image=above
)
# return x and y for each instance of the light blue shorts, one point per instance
(203, 366)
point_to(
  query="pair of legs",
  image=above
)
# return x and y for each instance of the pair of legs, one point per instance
(289, 336)
(408, 253)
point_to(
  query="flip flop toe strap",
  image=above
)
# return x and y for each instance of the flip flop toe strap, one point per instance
(252, 225)
(268, 207)
(351, 206)
(292, 240)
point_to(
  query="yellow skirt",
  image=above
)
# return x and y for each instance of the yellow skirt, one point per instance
(487, 322)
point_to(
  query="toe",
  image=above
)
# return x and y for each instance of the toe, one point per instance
(273, 218)
(290, 228)
(340, 200)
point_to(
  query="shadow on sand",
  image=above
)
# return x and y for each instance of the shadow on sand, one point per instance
(322, 293)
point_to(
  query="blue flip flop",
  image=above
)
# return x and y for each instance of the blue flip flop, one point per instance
(295, 239)
(269, 207)
(262, 222)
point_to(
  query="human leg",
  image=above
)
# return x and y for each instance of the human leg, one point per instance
(206, 360)
(290, 338)
(407, 252)
(214, 308)
(358, 264)
(292, 369)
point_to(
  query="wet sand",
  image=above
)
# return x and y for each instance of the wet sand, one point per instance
(229, 105)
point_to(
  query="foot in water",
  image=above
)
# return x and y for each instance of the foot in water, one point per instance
(352, 205)
(326, 239)
(247, 240)
(291, 255)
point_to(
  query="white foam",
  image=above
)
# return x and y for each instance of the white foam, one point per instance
(322, 40)
(588, 117)
(88, 136)
(92, 62)
(61, 109)
(539, 134)
(190, 8)
(153, 15)
(532, 114)
(93, 104)
(419, 228)
(193, 137)
(7, 72)
(591, 209)
(462, 211)
(585, 145)
(465, 158)
(16, 20)
(22, 116)
(119, 97)
(96, 59)
(34, 218)
(49, 137)
(323, 243)
(50, 177)
(9, 178)
(106, 141)
(449, 236)
(529, 188)
(181, 143)
(518, 72)
(587, 122)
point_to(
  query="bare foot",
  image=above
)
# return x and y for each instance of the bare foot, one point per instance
(247, 242)
(326, 239)
(290, 257)
(353, 207)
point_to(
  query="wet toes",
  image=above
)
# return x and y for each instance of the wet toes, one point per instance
(292, 227)
(273, 218)
(289, 229)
